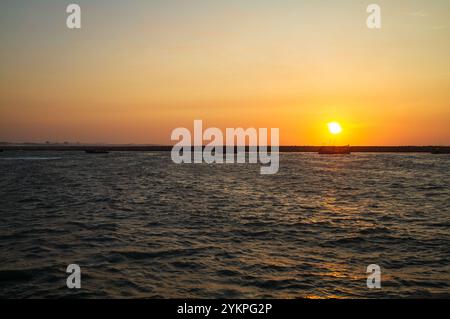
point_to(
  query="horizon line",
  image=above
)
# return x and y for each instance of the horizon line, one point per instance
(150, 145)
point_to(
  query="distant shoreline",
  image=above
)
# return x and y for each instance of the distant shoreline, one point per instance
(166, 148)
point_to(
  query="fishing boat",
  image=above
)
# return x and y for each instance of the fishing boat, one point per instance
(334, 150)
(96, 152)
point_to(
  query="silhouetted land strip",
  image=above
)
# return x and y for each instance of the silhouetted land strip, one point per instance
(284, 149)
(335, 150)
(96, 151)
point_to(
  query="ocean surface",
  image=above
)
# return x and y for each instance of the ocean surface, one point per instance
(140, 226)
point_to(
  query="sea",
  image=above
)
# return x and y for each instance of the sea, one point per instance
(140, 226)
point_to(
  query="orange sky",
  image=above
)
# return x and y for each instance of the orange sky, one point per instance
(137, 70)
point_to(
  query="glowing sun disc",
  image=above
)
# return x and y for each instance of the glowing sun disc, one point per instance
(334, 128)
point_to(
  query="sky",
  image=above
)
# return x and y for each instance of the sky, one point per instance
(137, 70)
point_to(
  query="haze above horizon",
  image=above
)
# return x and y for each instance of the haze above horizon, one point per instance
(138, 69)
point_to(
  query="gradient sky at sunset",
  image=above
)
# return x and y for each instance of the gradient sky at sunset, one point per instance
(138, 69)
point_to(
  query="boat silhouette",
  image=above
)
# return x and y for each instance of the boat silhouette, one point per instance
(96, 152)
(334, 150)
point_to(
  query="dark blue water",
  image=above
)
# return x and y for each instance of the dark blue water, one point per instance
(140, 226)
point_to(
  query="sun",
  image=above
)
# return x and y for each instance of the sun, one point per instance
(334, 128)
